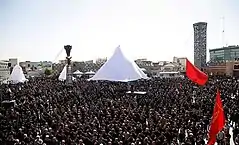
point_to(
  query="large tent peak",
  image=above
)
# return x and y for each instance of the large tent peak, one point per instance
(119, 68)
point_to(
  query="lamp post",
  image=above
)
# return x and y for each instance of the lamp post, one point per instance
(68, 65)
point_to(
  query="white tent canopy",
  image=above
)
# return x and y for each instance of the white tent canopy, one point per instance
(77, 72)
(143, 69)
(62, 75)
(90, 73)
(17, 75)
(119, 68)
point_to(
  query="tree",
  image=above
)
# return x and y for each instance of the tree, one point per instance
(48, 72)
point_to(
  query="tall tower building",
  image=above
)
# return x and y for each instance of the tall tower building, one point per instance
(200, 44)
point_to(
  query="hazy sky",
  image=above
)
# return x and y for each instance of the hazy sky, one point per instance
(154, 29)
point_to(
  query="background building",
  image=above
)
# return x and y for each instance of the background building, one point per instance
(144, 63)
(62, 61)
(12, 62)
(101, 61)
(200, 44)
(6, 67)
(29, 65)
(4, 70)
(181, 61)
(224, 54)
(35, 69)
(229, 68)
(170, 67)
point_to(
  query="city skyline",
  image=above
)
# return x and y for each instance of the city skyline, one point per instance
(156, 29)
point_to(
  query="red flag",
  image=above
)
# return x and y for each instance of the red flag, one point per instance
(218, 120)
(194, 74)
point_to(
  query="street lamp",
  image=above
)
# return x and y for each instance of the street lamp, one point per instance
(68, 50)
(68, 65)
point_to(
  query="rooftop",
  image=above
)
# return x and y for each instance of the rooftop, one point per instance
(223, 48)
(200, 23)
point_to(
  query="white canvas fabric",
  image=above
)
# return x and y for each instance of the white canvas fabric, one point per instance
(78, 72)
(62, 75)
(17, 75)
(90, 73)
(119, 68)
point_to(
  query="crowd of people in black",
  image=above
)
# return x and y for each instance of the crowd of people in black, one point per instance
(172, 112)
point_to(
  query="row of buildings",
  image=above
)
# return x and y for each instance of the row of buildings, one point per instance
(222, 61)
(38, 68)
(153, 68)
(31, 68)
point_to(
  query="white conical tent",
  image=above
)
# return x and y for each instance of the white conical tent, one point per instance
(119, 68)
(62, 75)
(17, 75)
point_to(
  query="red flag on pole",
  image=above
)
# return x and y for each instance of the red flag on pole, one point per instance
(194, 74)
(218, 120)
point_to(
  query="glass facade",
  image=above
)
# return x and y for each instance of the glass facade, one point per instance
(224, 54)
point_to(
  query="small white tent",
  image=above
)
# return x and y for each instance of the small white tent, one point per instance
(78, 72)
(90, 73)
(119, 68)
(62, 75)
(17, 75)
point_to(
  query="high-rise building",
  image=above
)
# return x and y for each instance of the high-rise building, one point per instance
(200, 44)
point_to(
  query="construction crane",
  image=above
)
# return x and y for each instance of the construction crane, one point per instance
(58, 54)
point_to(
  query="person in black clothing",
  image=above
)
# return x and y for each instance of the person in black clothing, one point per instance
(235, 132)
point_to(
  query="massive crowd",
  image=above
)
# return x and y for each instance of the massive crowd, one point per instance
(172, 112)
